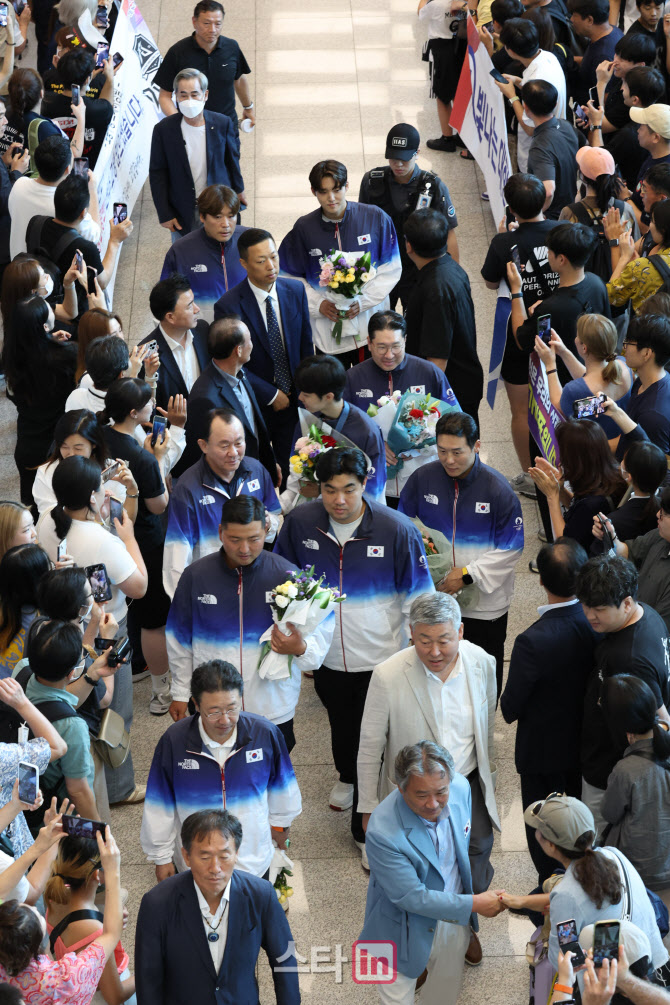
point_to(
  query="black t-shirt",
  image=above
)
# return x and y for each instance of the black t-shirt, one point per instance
(52, 82)
(529, 238)
(50, 236)
(640, 650)
(566, 305)
(222, 67)
(146, 472)
(551, 157)
(616, 111)
(628, 155)
(647, 164)
(637, 28)
(98, 116)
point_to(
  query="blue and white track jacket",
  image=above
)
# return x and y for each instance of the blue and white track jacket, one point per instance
(482, 516)
(257, 783)
(382, 570)
(220, 613)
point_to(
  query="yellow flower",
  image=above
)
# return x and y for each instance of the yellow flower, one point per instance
(351, 275)
(333, 285)
(339, 275)
(296, 465)
(303, 457)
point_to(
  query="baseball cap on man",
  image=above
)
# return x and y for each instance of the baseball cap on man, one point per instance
(560, 819)
(656, 117)
(402, 142)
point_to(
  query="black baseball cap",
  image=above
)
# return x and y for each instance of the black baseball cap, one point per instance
(402, 142)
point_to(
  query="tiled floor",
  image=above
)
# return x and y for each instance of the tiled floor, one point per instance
(332, 84)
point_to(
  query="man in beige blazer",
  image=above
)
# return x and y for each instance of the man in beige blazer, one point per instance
(442, 689)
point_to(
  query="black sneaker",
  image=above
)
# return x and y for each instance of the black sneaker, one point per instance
(447, 144)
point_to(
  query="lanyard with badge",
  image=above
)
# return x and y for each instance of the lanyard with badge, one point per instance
(223, 266)
(425, 198)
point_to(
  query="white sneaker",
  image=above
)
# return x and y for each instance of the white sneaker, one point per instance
(364, 855)
(341, 796)
(160, 703)
(523, 485)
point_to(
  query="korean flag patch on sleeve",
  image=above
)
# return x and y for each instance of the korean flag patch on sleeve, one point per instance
(254, 755)
(254, 485)
(375, 551)
(482, 507)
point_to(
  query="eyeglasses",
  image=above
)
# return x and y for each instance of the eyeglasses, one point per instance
(626, 342)
(229, 713)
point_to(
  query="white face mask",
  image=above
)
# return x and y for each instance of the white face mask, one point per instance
(191, 109)
(46, 287)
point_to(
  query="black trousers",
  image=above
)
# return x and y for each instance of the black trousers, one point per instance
(539, 786)
(542, 503)
(286, 730)
(402, 291)
(343, 696)
(281, 427)
(349, 358)
(490, 635)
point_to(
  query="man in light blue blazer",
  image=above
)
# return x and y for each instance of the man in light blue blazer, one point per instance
(420, 895)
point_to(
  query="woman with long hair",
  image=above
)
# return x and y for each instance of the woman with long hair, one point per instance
(73, 979)
(26, 90)
(599, 371)
(637, 800)
(644, 468)
(78, 433)
(596, 484)
(547, 37)
(39, 366)
(25, 276)
(128, 404)
(16, 526)
(75, 878)
(634, 279)
(94, 324)
(21, 569)
(600, 189)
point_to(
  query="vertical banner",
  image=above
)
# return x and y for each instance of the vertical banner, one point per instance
(543, 418)
(479, 116)
(499, 340)
(123, 164)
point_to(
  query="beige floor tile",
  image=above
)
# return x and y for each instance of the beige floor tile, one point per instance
(306, 66)
(290, 103)
(289, 33)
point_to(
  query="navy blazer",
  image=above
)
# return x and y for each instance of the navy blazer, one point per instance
(170, 177)
(173, 963)
(170, 380)
(211, 390)
(550, 665)
(296, 327)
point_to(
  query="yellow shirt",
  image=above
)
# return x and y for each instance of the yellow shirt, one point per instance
(638, 281)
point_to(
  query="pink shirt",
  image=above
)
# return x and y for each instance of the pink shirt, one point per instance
(72, 980)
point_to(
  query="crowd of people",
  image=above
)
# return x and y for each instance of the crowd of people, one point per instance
(284, 480)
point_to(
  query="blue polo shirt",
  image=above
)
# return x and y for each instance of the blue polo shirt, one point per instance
(77, 761)
(651, 410)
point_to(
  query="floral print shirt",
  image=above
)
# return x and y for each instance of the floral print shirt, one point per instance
(72, 980)
(638, 281)
(37, 752)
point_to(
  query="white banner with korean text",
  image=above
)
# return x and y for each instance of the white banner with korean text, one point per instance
(479, 117)
(123, 164)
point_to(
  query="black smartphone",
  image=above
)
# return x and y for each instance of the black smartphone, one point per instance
(19, 6)
(110, 472)
(608, 543)
(79, 827)
(91, 273)
(120, 212)
(568, 940)
(117, 59)
(497, 75)
(516, 257)
(119, 653)
(81, 166)
(101, 587)
(158, 429)
(115, 512)
(544, 327)
(29, 778)
(3, 15)
(585, 408)
(605, 941)
(102, 54)
(79, 260)
(75, 95)
(61, 550)
(593, 95)
(102, 18)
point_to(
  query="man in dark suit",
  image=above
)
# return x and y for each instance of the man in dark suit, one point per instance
(276, 313)
(551, 662)
(199, 933)
(223, 384)
(181, 337)
(189, 151)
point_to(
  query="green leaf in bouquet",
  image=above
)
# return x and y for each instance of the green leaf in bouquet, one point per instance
(265, 649)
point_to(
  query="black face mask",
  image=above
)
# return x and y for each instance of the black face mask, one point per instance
(582, 190)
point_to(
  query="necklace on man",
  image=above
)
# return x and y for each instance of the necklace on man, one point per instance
(214, 934)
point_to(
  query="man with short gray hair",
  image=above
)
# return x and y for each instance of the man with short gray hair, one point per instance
(189, 151)
(441, 689)
(420, 894)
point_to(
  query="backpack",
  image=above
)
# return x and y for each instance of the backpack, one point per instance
(600, 262)
(661, 267)
(34, 246)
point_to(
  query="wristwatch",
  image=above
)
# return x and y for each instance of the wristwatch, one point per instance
(467, 578)
(89, 680)
(614, 243)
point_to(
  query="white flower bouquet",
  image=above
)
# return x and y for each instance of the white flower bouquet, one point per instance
(344, 274)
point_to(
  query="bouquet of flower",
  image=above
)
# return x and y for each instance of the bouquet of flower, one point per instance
(440, 558)
(308, 449)
(385, 410)
(345, 273)
(413, 427)
(305, 602)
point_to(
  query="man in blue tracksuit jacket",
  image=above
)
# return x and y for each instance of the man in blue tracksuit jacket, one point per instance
(376, 557)
(223, 472)
(220, 610)
(474, 507)
(254, 778)
(391, 369)
(208, 255)
(320, 382)
(338, 225)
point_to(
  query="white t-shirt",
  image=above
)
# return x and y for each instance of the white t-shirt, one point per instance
(29, 198)
(86, 397)
(22, 888)
(90, 544)
(439, 19)
(43, 492)
(545, 66)
(196, 151)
